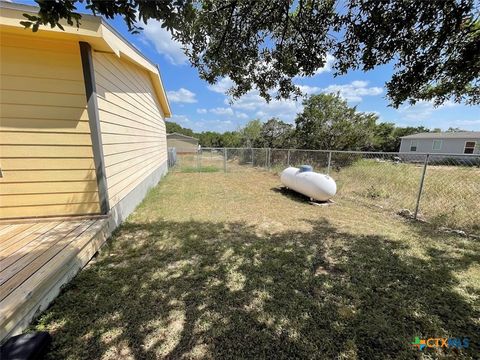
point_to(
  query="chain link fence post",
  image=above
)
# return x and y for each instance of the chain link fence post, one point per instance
(329, 162)
(224, 160)
(420, 188)
(197, 162)
(200, 161)
(392, 180)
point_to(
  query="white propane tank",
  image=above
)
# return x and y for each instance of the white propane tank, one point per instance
(316, 186)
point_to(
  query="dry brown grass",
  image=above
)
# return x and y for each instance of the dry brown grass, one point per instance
(215, 265)
(449, 197)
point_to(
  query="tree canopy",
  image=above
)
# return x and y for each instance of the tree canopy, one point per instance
(173, 127)
(327, 122)
(250, 134)
(265, 44)
(277, 134)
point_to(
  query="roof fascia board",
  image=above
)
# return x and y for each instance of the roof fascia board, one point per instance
(182, 135)
(98, 33)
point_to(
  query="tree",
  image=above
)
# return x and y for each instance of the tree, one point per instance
(173, 127)
(327, 122)
(455, 129)
(231, 139)
(264, 44)
(251, 133)
(210, 139)
(276, 134)
(384, 138)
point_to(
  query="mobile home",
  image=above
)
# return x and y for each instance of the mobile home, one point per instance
(459, 143)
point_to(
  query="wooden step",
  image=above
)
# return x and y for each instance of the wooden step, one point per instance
(39, 282)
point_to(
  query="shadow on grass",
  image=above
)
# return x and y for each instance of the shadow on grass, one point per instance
(223, 290)
(290, 194)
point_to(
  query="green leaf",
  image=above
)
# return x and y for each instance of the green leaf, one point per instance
(26, 24)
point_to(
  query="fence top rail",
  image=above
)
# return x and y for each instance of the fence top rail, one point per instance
(347, 151)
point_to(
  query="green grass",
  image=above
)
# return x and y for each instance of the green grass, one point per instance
(218, 265)
(200, 169)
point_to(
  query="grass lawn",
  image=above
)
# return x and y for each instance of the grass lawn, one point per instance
(215, 265)
(448, 197)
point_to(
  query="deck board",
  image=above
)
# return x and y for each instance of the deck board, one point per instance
(14, 230)
(21, 275)
(21, 258)
(5, 228)
(17, 242)
(45, 256)
(36, 249)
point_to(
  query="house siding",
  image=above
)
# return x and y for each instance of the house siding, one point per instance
(449, 146)
(132, 126)
(45, 148)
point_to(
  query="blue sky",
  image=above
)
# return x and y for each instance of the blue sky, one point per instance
(201, 107)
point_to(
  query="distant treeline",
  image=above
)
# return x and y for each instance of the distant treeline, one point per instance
(327, 122)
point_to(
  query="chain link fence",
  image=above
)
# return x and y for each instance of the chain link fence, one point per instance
(440, 188)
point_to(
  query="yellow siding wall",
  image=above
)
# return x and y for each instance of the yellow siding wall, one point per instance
(45, 146)
(131, 122)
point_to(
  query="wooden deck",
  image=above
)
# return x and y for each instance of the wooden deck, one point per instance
(36, 259)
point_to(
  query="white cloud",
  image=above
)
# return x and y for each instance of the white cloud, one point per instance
(181, 95)
(289, 108)
(252, 102)
(330, 59)
(222, 85)
(422, 110)
(203, 124)
(181, 120)
(241, 115)
(285, 109)
(222, 111)
(467, 123)
(327, 67)
(162, 40)
(215, 125)
(309, 90)
(354, 91)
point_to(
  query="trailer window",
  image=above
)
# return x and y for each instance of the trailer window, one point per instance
(469, 147)
(413, 145)
(437, 145)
